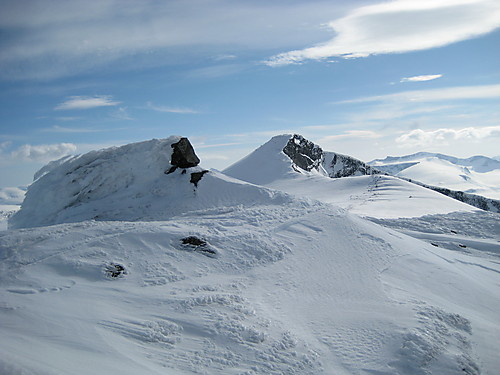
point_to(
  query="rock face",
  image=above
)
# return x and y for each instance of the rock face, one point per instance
(183, 155)
(303, 153)
(308, 156)
(345, 166)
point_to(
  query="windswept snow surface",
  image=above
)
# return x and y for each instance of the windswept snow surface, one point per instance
(476, 175)
(128, 183)
(284, 284)
(300, 288)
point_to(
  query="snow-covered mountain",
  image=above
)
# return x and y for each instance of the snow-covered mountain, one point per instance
(284, 155)
(365, 192)
(200, 273)
(477, 175)
(133, 182)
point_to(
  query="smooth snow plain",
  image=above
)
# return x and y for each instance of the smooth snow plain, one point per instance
(292, 284)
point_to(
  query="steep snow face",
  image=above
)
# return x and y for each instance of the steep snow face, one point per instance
(476, 175)
(265, 164)
(290, 289)
(132, 182)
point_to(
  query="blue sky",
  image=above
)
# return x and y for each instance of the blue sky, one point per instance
(367, 78)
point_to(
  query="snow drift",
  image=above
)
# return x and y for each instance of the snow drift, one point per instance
(139, 181)
(293, 289)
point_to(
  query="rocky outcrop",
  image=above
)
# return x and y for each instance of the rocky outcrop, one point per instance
(303, 153)
(338, 165)
(196, 177)
(183, 155)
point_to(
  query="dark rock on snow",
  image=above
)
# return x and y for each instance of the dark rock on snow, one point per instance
(346, 166)
(184, 155)
(198, 244)
(196, 177)
(304, 153)
(115, 270)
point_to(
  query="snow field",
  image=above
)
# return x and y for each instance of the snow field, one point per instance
(288, 280)
(301, 288)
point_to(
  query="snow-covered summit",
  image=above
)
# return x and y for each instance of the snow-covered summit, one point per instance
(292, 164)
(149, 180)
(286, 155)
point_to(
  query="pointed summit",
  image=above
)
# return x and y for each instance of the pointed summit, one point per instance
(290, 154)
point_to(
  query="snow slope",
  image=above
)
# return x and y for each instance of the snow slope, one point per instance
(300, 288)
(370, 195)
(477, 175)
(278, 283)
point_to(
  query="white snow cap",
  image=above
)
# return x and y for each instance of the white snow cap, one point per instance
(128, 183)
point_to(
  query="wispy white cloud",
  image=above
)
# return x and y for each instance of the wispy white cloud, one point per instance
(86, 102)
(42, 153)
(422, 78)
(122, 114)
(400, 26)
(442, 137)
(168, 109)
(351, 134)
(63, 129)
(70, 37)
(67, 118)
(431, 95)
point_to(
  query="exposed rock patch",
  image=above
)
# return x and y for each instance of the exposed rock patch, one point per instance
(304, 153)
(183, 155)
(196, 177)
(115, 270)
(198, 244)
(345, 166)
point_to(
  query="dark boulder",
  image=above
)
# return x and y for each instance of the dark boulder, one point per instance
(183, 155)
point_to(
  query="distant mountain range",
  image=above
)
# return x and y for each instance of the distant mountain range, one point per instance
(475, 175)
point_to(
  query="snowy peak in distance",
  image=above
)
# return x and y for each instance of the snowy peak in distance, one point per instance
(151, 180)
(478, 163)
(475, 175)
(286, 155)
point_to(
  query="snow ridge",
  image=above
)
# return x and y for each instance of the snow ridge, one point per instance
(132, 182)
